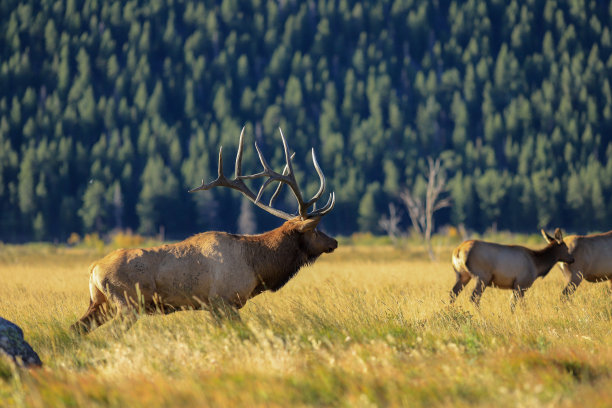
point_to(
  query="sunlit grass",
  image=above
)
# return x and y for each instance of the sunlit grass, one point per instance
(365, 326)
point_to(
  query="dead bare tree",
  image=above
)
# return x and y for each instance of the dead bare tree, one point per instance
(390, 224)
(422, 209)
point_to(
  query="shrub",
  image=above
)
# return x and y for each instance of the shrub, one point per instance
(93, 240)
(126, 239)
(74, 239)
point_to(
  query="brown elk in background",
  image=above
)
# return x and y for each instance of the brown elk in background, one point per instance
(217, 270)
(593, 260)
(505, 266)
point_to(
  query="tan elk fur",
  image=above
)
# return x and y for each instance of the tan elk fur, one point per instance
(505, 266)
(593, 260)
(198, 270)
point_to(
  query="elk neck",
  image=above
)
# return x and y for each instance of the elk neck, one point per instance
(276, 256)
(544, 259)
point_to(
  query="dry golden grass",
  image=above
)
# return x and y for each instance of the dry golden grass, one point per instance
(365, 326)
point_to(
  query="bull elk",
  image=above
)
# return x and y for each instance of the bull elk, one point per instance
(213, 268)
(593, 260)
(505, 266)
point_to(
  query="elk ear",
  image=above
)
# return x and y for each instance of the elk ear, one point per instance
(558, 235)
(547, 237)
(309, 224)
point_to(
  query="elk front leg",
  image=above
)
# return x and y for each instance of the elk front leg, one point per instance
(223, 310)
(125, 318)
(574, 282)
(481, 284)
(518, 296)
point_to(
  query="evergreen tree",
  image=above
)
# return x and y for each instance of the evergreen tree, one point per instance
(246, 220)
(368, 214)
(159, 188)
(95, 212)
(516, 95)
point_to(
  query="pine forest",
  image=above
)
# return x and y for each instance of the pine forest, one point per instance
(110, 111)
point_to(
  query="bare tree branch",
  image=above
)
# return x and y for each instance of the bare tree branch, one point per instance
(421, 213)
(416, 211)
(390, 224)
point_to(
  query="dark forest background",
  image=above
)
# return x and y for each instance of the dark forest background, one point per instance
(111, 110)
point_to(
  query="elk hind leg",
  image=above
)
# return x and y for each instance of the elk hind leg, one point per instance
(96, 315)
(462, 280)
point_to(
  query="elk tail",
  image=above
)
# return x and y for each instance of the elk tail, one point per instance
(96, 312)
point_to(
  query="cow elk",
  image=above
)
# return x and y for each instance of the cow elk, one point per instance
(592, 260)
(505, 266)
(213, 269)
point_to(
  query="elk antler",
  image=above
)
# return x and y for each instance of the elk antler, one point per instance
(286, 177)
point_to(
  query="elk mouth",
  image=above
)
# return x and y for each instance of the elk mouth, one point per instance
(331, 248)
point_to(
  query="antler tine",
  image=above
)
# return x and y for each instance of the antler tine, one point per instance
(267, 171)
(264, 162)
(287, 177)
(238, 166)
(221, 180)
(263, 187)
(302, 207)
(326, 208)
(319, 193)
(288, 158)
(280, 185)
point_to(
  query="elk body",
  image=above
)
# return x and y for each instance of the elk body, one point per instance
(505, 266)
(212, 269)
(592, 260)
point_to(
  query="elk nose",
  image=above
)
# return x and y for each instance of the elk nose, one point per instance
(333, 245)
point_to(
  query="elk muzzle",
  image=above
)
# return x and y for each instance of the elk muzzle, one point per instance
(332, 246)
(328, 244)
(318, 243)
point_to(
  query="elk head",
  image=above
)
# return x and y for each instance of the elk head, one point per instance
(312, 241)
(560, 248)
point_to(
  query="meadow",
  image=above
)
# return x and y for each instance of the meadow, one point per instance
(369, 325)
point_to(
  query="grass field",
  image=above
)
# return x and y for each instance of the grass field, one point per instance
(365, 326)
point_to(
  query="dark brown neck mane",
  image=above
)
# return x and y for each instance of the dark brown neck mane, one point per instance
(544, 259)
(276, 256)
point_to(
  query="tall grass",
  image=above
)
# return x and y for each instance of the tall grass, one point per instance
(365, 326)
